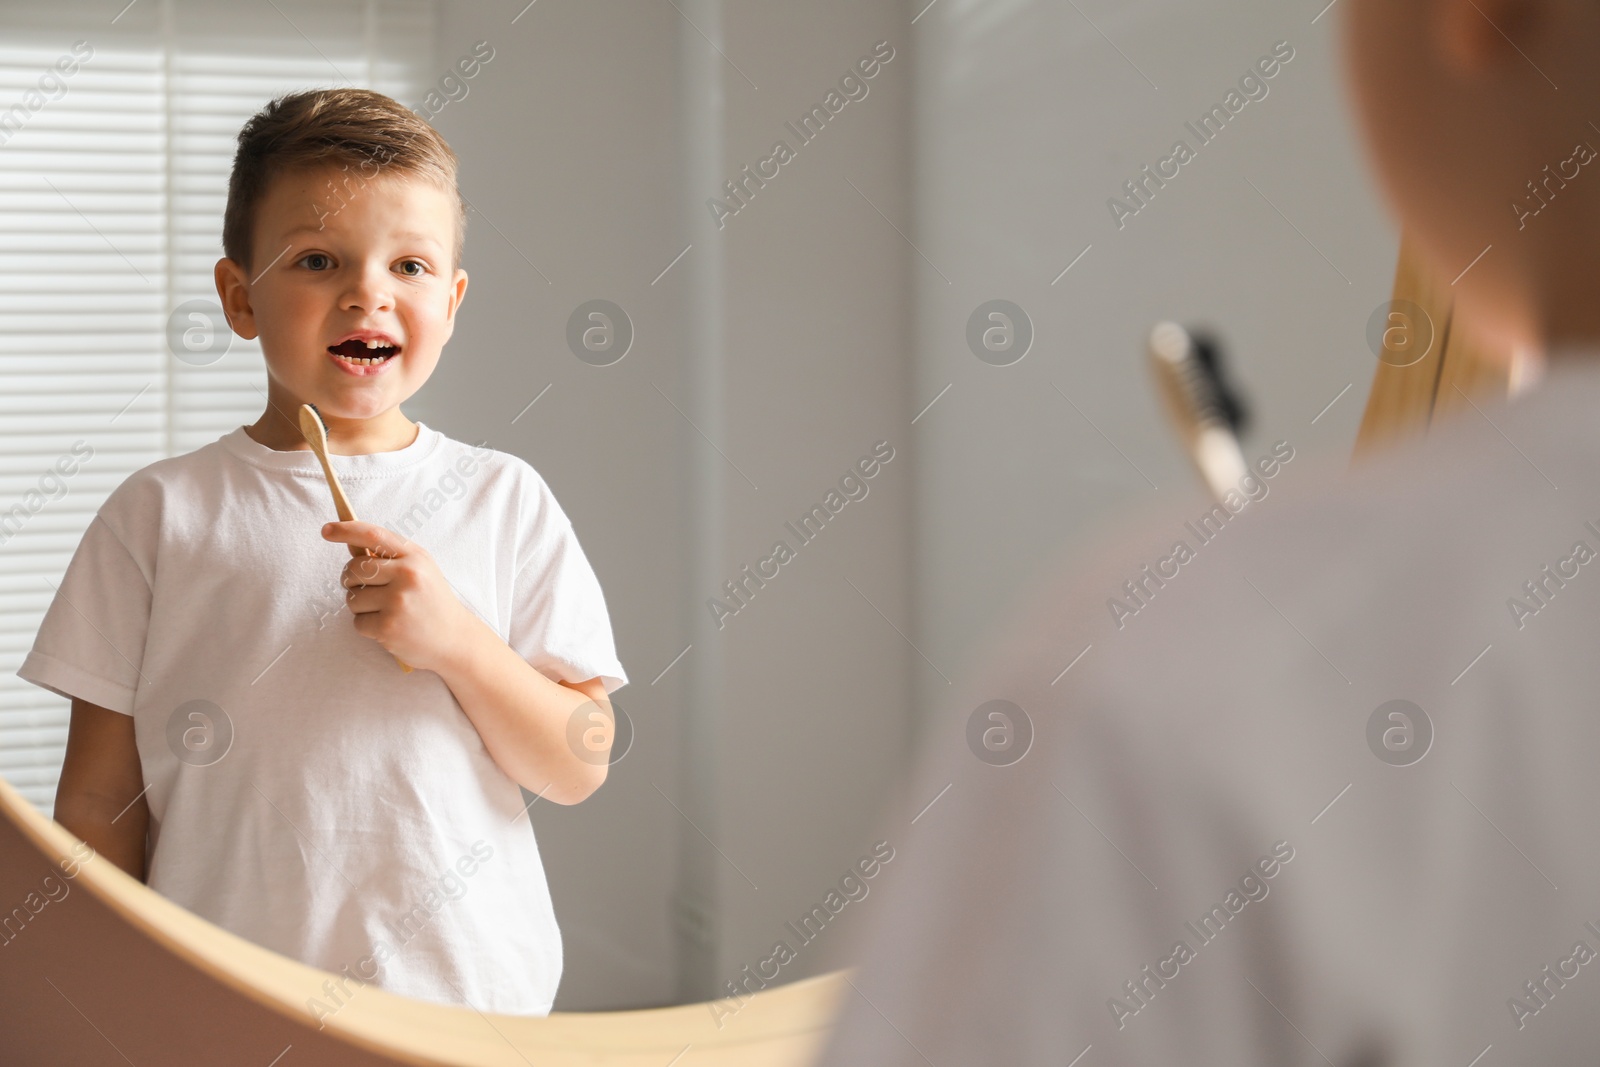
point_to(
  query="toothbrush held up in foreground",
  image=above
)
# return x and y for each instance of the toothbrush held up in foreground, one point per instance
(316, 435)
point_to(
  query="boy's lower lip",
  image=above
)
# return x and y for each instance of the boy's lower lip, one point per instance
(359, 371)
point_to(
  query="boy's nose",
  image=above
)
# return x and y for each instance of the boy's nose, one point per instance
(368, 293)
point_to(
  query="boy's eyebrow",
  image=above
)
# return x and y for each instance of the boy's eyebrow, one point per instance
(411, 235)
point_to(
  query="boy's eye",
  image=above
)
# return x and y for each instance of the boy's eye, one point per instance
(316, 260)
(421, 268)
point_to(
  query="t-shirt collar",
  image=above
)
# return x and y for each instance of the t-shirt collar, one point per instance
(374, 464)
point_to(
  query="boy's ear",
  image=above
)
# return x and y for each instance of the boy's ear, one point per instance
(233, 289)
(1477, 35)
(458, 292)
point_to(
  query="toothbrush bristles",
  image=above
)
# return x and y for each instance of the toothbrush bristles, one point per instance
(318, 414)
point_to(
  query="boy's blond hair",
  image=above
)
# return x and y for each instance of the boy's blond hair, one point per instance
(365, 132)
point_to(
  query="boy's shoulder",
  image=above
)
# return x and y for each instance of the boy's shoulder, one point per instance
(504, 475)
(471, 459)
(149, 485)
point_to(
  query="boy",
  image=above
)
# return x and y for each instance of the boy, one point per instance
(298, 787)
(1330, 798)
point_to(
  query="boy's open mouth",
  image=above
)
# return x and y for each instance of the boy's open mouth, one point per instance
(357, 352)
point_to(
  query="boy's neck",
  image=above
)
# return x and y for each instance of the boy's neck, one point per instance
(388, 432)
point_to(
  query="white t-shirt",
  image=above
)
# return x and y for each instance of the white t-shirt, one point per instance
(305, 792)
(1225, 773)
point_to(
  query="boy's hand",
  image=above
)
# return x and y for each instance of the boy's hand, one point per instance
(399, 597)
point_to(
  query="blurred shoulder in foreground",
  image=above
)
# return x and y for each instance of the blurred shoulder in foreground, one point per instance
(1314, 800)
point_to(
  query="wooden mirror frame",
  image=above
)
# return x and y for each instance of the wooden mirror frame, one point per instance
(98, 968)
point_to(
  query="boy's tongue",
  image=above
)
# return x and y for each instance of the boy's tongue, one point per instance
(354, 349)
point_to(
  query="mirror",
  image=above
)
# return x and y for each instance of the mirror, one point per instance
(729, 291)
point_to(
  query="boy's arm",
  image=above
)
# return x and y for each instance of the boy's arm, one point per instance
(101, 794)
(551, 738)
(526, 720)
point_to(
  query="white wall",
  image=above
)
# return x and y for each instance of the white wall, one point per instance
(817, 687)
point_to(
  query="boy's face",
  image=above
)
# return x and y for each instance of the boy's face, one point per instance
(372, 259)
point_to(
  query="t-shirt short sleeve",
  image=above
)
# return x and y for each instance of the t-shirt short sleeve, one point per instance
(91, 641)
(559, 622)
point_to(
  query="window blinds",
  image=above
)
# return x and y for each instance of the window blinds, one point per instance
(113, 177)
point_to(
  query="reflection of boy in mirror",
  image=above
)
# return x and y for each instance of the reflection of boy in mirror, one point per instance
(237, 744)
(1348, 684)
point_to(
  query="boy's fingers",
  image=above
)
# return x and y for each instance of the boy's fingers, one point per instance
(361, 536)
(354, 532)
(365, 570)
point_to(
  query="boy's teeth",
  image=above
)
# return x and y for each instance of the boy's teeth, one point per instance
(355, 351)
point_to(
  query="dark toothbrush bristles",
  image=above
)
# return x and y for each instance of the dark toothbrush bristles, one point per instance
(320, 419)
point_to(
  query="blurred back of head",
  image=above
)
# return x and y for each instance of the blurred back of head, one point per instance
(1478, 115)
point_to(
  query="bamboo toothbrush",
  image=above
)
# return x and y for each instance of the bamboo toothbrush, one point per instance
(316, 435)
